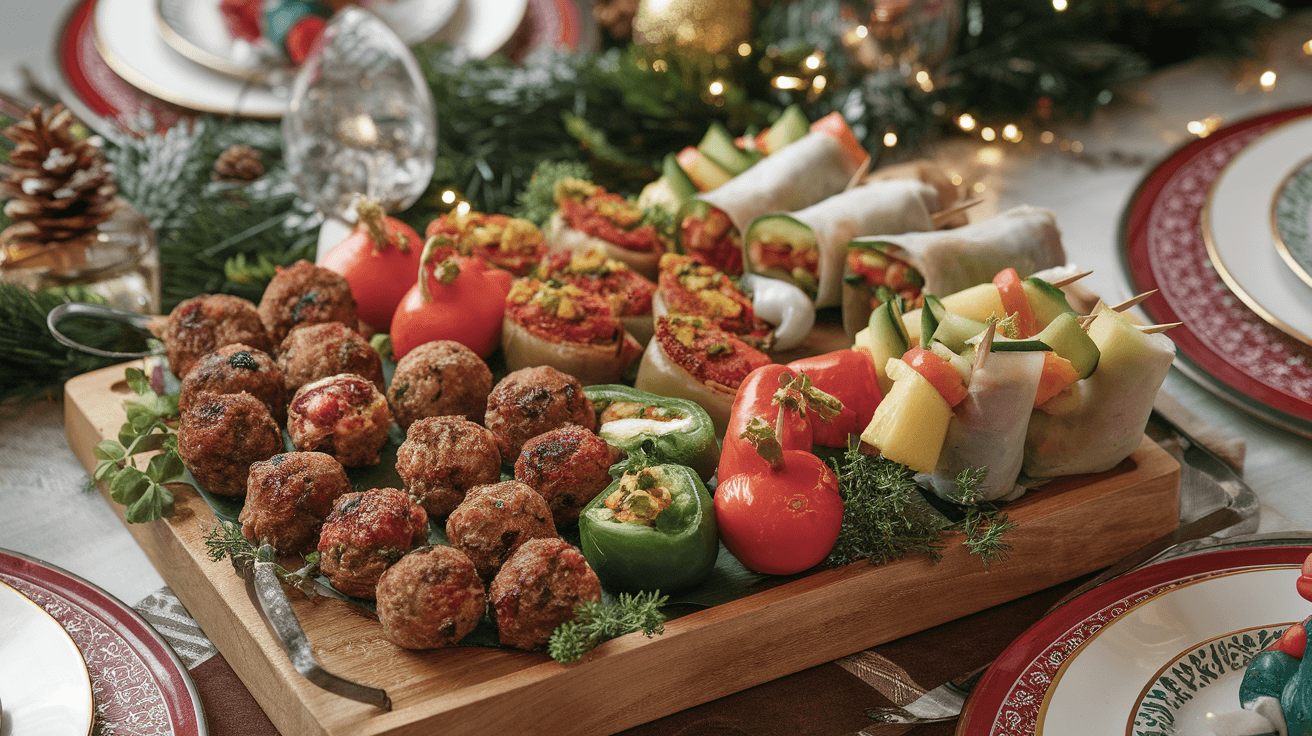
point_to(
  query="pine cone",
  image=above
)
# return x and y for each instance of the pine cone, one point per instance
(616, 16)
(61, 185)
(239, 163)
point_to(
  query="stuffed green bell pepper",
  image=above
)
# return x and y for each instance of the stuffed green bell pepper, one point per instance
(651, 529)
(670, 430)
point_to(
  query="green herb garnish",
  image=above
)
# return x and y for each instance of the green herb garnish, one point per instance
(884, 517)
(148, 428)
(984, 524)
(226, 542)
(597, 622)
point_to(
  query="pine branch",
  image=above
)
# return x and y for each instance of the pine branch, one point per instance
(31, 360)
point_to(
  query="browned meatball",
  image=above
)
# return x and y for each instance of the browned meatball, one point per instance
(221, 435)
(343, 415)
(442, 458)
(204, 323)
(235, 368)
(494, 520)
(302, 294)
(569, 466)
(431, 598)
(439, 378)
(316, 351)
(538, 589)
(287, 498)
(365, 533)
(531, 401)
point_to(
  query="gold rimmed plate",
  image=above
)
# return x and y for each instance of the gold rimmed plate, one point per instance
(1239, 228)
(1291, 220)
(44, 683)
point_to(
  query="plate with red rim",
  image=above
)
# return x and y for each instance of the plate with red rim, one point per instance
(1223, 344)
(1097, 656)
(43, 678)
(139, 685)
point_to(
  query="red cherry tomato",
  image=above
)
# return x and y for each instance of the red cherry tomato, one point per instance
(469, 309)
(781, 522)
(380, 268)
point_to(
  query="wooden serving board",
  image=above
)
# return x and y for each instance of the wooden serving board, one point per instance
(1070, 528)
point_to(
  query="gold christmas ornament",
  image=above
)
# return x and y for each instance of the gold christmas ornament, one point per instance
(711, 26)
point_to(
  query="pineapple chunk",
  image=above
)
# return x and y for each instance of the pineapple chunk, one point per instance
(978, 302)
(910, 424)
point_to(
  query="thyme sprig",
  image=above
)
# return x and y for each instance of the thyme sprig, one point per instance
(597, 622)
(148, 428)
(225, 541)
(985, 523)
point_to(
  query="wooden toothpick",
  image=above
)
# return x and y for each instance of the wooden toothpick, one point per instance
(1132, 301)
(860, 174)
(984, 346)
(1070, 279)
(942, 216)
(1155, 329)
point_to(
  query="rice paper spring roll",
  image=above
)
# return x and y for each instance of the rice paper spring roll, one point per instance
(947, 261)
(798, 175)
(807, 247)
(1100, 420)
(988, 427)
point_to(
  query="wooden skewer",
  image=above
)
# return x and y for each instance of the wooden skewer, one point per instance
(860, 174)
(1132, 301)
(984, 346)
(1087, 320)
(1070, 279)
(942, 216)
(1154, 329)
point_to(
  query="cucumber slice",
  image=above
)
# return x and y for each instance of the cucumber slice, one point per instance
(677, 179)
(780, 229)
(718, 145)
(1002, 345)
(1046, 300)
(954, 330)
(791, 125)
(887, 338)
(930, 316)
(1071, 342)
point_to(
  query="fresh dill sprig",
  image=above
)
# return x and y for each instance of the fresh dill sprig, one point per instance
(538, 200)
(226, 541)
(148, 427)
(884, 516)
(985, 523)
(597, 622)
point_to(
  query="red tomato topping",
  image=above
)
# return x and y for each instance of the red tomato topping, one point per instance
(942, 376)
(707, 352)
(562, 313)
(627, 291)
(713, 240)
(1015, 301)
(508, 243)
(692, 288)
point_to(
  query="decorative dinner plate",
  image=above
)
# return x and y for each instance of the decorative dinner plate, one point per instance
(44, 685)
(139, 685)
(1291, 218)
(196, 29)
(1239, 227)
(1125, 657)
(1224, 345)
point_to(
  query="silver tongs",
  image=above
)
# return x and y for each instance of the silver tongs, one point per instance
(282, 619)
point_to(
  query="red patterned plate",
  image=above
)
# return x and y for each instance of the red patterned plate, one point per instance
(1009, 698)
(1223, 344)
(140, 686)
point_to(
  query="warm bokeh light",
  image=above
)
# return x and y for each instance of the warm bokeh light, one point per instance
(862, 32)
(890, 139)
(1012, 133)
(463, 208)
(988, 134)
(449, 196)
(716, 88)
(956, 179)
(744, 49)
(979, 187)
(1307, 47)
(660, 65)
(989, 156)
(966, 121)
(1059, 5)
(787, 83)
(1267, 80)
(1046, 136)
(819, 83)
(1077, 147)
(812, 62)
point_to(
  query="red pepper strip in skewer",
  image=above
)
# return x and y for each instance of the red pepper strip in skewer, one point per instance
(1015, 302)
(850, 377)
(942, 376)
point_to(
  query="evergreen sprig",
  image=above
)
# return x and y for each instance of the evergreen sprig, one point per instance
(148, 428)
(32, 362)
(884, 517)
(985, 524)
(225, 541)
(597, 621)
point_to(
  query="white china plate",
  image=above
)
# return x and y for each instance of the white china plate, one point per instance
(1238, 228)
(44, 684)
(196, 29)
(482, 27)
(1121, 679)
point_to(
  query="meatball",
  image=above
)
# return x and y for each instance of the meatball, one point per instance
(430, 598)
(304, 293)
(221, 435)
(494, 520)
(538, 589)
(365, 533)
(235, 368)
(204, 323)
(531, 401)
(569, 466)
(287, 498)
(343, 415)
(316, 351)
(439, 378)
(442, 458)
